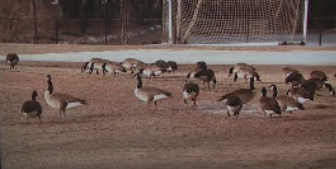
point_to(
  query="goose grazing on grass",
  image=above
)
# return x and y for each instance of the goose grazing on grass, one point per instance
(233, 104)
(287, 71)
(269, 105)
(238, 66)
(246, 73)
(300, 94)
(316, 74)
(131, 64)
(152, 71)
(88, 64)
(60, 101)
(150, 94)
(315, 84)
(172, 66)
(245, 95)
(190, 91)
(12, 59)
(287, 103)
(32, 108)
(205, 75)
(113, 67)
(294, 79)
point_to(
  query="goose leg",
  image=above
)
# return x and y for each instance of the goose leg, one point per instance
(60, 113)
(228, 113)
(27, 121)
(185, 101)
(40, 120)
(63, 113)
(194, 101)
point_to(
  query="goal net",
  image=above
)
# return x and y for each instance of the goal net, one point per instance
(234, 21)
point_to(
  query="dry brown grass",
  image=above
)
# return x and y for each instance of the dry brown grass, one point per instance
(5, 48)
(117, 131)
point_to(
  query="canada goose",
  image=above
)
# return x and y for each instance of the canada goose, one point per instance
(201, 65)
(300, 94)
(237, 67)
(61, 101)
(318, 75)
(32, 108)
(149, 94)
(294, 79)
(131, 64)
(172, 66)
(12, 59)
(161, 63)
(190, 91)
(88, 64)
(233, 104)
(286, 102)
(205, 75)
(287, 71)
(268, 105)
(244, 94)
(315, 84)
(113, 67)
(246, 73)
(152, 70)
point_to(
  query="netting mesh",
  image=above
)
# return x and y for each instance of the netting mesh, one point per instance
(236, 21)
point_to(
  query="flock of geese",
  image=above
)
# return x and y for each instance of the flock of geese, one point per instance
(301, 89)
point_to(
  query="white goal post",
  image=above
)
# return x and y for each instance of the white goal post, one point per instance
(235, 21)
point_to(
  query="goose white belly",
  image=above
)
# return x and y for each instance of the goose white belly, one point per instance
(157, 73)
(302, 100)
(159, 97)
(233, 108)
(139, 96)
(146, 72)
(73, 105)
(187, 95)
(290, 108)
(30, 114)
(270, 112)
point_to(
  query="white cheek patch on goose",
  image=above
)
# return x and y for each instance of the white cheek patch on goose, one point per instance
(73, 105)
(159, 97)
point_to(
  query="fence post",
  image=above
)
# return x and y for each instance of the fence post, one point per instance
(106, 17)
(56, 31)
(35, 22)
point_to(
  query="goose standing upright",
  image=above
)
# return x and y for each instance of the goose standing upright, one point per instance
(149, 94)
(32, 108)
(190, 91)
(60, 101)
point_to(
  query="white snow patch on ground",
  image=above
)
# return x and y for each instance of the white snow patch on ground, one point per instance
(193, 56)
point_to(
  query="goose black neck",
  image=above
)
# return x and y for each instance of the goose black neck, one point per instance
(33, 97)
(251, 82)
(91, 66)
(50, 87)
(264, 92)
(139, 82)
(275, 92)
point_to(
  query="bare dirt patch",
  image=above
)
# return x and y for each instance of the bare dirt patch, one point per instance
(117, 131)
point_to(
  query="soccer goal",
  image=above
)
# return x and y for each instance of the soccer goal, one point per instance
(235, 21)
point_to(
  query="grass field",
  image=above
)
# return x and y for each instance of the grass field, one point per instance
(116, 130)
